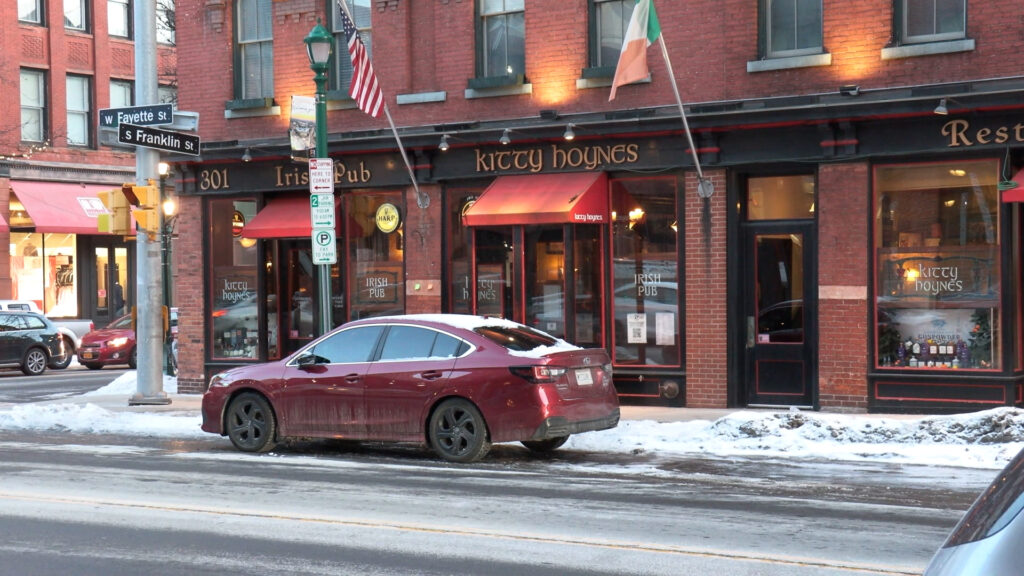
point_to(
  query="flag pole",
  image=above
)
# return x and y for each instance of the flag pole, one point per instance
(682, 113)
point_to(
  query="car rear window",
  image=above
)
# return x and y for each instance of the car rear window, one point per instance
(518, 339)
(995, 508)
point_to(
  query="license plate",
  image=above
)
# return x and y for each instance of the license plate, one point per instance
(86, 354)
(584, 378)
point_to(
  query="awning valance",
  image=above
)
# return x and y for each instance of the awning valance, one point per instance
(579, 197)
(61, 207)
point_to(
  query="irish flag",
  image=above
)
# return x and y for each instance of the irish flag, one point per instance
(642, 32)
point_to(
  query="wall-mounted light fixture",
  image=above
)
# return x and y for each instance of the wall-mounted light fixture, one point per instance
(246, 156)
(505, 139)
(941, 109)
(443, 146)
(849, 90)
(570, 134)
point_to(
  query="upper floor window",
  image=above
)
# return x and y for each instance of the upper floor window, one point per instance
(30, 11)
(33, 106)
(501, 38)
(167, 94)
(340, 77)
(608, 22)
(120, 93)
(79, 100)
(793, 27)
(75, 13)
(119, 17)
(165, 23)
(255, 49)
(932, 20)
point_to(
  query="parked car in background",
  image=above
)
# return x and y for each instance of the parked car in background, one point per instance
(30, 341)
(987, 540)
(115, 344)
(452, 382)
(72, 330)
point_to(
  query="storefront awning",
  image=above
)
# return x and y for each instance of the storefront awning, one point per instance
(1015, 194)
(580, 198)
(288, 217)
(61, 207)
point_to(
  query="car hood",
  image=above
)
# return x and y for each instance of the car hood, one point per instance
(107, 334)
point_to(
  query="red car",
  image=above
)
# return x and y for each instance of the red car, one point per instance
(451, 382)
(114, 344)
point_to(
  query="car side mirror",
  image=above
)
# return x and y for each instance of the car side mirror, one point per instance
(306, 360)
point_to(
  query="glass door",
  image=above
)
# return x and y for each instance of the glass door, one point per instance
(112, 296)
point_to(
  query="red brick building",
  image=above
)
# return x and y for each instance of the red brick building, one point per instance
(61, 62)
(860, 248)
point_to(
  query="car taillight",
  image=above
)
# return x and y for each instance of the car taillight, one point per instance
(538, 374)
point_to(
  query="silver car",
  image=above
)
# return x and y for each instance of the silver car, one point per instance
(987, 540)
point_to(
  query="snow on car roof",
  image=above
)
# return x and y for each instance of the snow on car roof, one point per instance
(471, 322)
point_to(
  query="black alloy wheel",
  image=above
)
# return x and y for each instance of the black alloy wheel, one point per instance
(457, 431)
(548, 445)
(250, 423)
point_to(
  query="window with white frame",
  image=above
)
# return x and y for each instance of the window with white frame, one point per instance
(119, 17)
(33, 105)
(30, 11)
(502, 38)
(165, 23)
(793, 28)
(609, 19)
(120, 93)
(340, 78)
(255, 49)
(79, 109)
(932, 20)
(75, 14)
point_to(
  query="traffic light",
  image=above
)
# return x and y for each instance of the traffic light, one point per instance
(118, 219)
(146, 202)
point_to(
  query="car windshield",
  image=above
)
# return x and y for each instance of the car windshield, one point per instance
(519, 339)
(995, 508)
(122, 322)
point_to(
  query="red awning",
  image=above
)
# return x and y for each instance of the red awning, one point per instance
(61, 207)
(1015, 194)
(288, 217)
(580, 197)
(3, 224)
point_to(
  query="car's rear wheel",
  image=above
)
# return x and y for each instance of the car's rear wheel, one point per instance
(62, 362)
(92, 365)
(132, 360)
(542, 446)
(457, 431)
(34, 362)
(250, 423)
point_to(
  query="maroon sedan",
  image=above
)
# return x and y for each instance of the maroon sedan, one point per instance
(454, 383)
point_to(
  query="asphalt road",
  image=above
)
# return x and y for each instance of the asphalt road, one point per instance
(15, 387)
(115, 505)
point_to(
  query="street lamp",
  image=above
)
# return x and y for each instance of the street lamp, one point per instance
(166, 222)
(319, 45)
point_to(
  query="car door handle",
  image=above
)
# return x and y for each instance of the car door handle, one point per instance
(352, 378)
(432, 374)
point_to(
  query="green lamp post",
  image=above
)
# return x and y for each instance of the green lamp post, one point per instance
(319, 45)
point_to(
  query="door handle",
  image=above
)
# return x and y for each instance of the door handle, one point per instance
(432, 375)
(751, 329)
(352, 378)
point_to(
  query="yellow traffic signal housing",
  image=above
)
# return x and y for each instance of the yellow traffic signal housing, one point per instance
(117, 220)
(146, 200)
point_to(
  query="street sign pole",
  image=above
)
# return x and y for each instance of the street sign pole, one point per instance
(148, 286)
(321, 218)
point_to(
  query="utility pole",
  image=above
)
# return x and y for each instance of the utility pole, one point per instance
(148, 286)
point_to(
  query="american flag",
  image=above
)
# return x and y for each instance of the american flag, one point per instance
(364, 89)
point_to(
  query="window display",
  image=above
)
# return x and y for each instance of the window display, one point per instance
(377, 255)
(937, 266)
(235, 309)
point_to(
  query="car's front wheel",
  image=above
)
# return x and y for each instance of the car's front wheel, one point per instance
(62, 362)
(34, 362)
(457, 431)
(542, 446)
(250, 423)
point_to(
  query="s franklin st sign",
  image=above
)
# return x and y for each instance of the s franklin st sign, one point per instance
(149, 137)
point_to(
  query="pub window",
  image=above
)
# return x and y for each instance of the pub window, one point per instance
(254, 51)
(340, 78)
(608, 21)
(931, 20)
(376, 255)
(645, 251)
(936, 243)
(30, 11)
(792, 27)
(33, 105)
(234, 326)
(501, 39)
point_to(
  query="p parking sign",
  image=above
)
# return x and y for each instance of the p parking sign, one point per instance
(325, 249)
